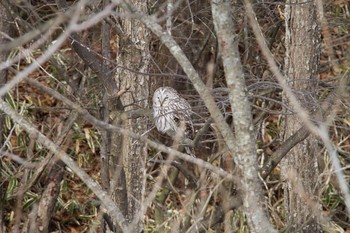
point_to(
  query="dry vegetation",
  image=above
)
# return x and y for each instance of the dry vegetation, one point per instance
(188, 193)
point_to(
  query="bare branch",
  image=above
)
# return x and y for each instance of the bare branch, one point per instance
(88, 56)
(43, 58)
(278, 155)
(242, 117)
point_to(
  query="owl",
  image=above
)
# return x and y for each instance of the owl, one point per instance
(170, 110)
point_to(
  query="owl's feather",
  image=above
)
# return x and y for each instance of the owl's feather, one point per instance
(170, 110)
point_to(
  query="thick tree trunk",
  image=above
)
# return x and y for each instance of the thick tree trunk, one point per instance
(134, 54)
(299, 168)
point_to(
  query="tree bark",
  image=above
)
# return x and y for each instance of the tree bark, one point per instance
(299, 168)
(5, 27)
(246, 157)
(134, 56)
(49, 198)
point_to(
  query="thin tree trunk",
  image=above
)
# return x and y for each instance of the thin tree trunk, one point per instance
(49, 198)
(246, 157)
(5, 27)
(299, 167)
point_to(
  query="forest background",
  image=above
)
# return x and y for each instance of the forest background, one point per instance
(268, 82)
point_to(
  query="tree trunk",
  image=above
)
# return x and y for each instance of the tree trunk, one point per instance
(5, 27)
(134, 54)
(49, 198)
(299, 168)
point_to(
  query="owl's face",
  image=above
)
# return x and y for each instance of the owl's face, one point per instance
(163, 95)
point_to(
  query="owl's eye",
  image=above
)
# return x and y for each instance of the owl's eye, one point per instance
(176, 119)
